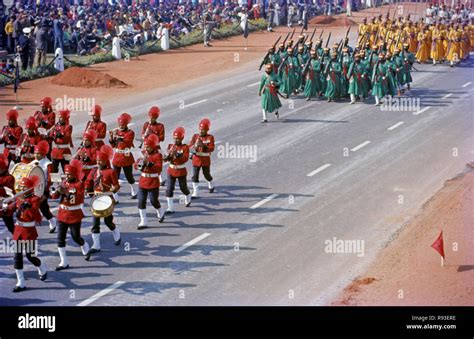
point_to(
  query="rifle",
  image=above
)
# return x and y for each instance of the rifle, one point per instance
(312, 35)
(329, 38)
(302, 30)
(268, 54)
(287, 36)
(375, 71)
(347, 34)
(292, 33)
(320, 35)
(305, 68)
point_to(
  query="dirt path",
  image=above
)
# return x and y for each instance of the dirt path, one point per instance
(408, 271)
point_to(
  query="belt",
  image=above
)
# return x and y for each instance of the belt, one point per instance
(150, 175)
(97, 139)
(88, 166)
(122, 151)
(61, 145)
(25, 224)
(201, 154)
(71, 208)
(106, 193)
(11, 146)
(177, 166)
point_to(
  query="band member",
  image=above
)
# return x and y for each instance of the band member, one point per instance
(201, 147)
(28, 217)
(122, 140)
(150, 166)
(70, 214)
(46, 118)
(61, 136)
(97, 125)
(103, 180)
(86, 153)
(11, 134)
(177, 155)
(28, 141)
(41, 151)
(154, 127)
(6, 180)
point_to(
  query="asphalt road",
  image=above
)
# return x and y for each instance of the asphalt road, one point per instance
(324, 171)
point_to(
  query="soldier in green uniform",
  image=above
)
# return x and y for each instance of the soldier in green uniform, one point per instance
(357, 75)
(302, 59)
(345, 63)
(332, 72)
(408, 59)
(399, 70)
(391, 74)
(380, 79)
(268, 90)
(313, 77)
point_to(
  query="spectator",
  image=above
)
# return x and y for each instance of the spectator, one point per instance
(41, 45)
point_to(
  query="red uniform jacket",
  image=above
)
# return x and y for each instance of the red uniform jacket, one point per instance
(30, 213)
(86, 155)
(108, 177)
(45, 121)
(149, 179)
(178, 156)
(27, 146)
(123, 143)
(70, 205)
(158, 129)
(62, 140)
(101, 129)
(10, 137)
(202, 155)
(6, 180)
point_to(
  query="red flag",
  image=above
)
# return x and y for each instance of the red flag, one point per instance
(438, 245)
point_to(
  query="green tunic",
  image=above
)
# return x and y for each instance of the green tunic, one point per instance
(312, 87)
(333, 80)
(408, 59)
(380, 85)
(270, 100)
(357, 80)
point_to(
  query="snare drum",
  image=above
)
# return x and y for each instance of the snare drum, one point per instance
(102, 205)
(20, 171)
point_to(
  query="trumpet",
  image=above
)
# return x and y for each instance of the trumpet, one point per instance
(6, 202)
(56, 180)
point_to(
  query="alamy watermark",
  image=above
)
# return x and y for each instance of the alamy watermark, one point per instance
(229, 151)
(353, 246)
(400, 104)
(74, 104)
(10, 246)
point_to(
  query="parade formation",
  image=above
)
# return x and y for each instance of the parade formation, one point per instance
(40, 162)
(30, 176)
(380, 64)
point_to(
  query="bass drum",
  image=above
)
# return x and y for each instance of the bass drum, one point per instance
(20, 171)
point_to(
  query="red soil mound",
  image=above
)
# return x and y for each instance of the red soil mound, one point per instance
(332, 21)
(82, 77)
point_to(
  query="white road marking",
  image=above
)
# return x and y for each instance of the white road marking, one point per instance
(467, 84)
(316, 171)
(264, 201)
(423, 110)
(391, 128)
(195, 103)
(254, 84)
(447, 95)
(101, 293)
(192, 242)
(358, 147)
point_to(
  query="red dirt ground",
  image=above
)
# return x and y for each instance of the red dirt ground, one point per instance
(83, 77)
(408, 271)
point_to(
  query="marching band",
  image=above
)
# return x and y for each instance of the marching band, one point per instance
(30, 178)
